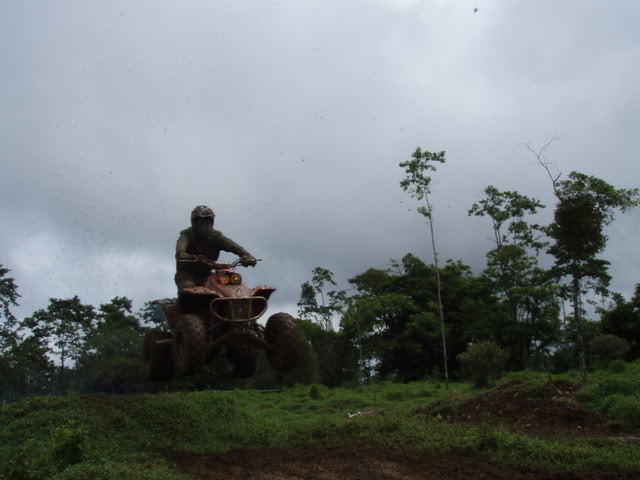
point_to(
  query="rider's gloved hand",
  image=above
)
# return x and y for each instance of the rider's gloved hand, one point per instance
(248, 261)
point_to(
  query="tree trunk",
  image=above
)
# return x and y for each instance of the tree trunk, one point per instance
(61, 375)
(435, 261)
(579, 329)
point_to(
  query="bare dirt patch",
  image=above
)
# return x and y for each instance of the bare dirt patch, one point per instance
(361, 463)
(547, 409)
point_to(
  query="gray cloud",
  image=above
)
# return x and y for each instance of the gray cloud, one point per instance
(290, 119)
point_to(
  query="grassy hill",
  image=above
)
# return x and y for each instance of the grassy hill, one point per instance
(137, 436)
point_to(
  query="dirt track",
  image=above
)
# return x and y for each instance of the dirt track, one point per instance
(543, 410)
(549, 409)
(365, 463)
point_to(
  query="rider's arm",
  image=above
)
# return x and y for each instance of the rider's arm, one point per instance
(228, 245)
(181, 248)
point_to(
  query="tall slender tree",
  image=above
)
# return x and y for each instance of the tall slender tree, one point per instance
(417, 182)
(586, 206)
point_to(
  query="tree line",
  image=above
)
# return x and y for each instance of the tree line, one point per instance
(413, 320)
(410, 320)
(69, 346)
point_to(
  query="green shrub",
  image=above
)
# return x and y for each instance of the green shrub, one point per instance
(608, 403)
(396, 395)
(625, 385)
(607, 348)
(423, 393)
(617, 366)
(400, 395)
(626, 410)
(314, 392)
(68, 443)
(29, 461)
(487, 440)
(616, 395)
(482, 363)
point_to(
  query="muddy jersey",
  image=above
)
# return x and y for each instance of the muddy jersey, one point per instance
(210, 246)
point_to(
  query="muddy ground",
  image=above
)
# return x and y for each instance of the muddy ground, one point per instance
(547, 410)
(364, 463)
(550, 409)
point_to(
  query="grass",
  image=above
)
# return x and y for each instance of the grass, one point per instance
(615, 394)
(298, 405)
(128, 437)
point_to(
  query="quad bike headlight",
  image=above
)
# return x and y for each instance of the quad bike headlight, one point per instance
(236, 279)
(224, 279)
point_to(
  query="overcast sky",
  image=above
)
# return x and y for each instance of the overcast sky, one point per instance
(289, 119)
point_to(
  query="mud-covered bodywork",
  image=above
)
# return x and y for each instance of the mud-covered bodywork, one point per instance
(225, 303)
(221, 316)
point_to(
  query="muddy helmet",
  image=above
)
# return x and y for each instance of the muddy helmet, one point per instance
(202, 211)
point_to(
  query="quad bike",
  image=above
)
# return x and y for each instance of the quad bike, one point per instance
(219, 319)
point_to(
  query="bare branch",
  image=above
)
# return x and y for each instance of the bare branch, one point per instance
(542, 160)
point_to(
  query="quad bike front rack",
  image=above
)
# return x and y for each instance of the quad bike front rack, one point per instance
(244, 309)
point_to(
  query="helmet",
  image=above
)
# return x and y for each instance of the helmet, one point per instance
(202, 211)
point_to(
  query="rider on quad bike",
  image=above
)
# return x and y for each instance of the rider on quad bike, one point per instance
(215, 314)
(202, 244)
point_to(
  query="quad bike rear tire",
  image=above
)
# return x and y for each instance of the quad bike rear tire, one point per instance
(189, 345)
(158, 359)
(240, 360)
(282, 334)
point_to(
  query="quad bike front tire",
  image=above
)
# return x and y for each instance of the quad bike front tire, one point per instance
(240, 360)
(281, 334)
(158, 359)
(189, 345)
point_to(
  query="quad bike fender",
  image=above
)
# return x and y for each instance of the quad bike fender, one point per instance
(199, 291)
(234, 291)
(170, 309)
(263, 291)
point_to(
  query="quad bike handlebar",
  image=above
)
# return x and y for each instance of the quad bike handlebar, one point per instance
(217, 266)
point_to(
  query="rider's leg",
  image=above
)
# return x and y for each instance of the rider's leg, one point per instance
(185, 280)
